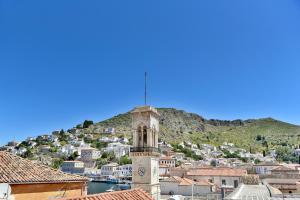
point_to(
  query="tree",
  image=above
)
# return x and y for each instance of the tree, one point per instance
(87, 123)
(109, 156)
(213, 163)
(258, 138)
(28, 154)
(256, 161)
(56, 163)
(73, 156)
(124, 160)
(265, 144)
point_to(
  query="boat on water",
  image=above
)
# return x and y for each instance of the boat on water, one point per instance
(111, 189)
(113, 180)
(125, 186)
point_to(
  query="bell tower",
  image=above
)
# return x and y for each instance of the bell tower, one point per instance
(144, 153)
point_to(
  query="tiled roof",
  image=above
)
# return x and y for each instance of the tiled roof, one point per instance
(283, 168)
(267, 164)
(217, 172)
(163, 166)
(17, 170)
(134, 194)
(186, 181)
(166, 158)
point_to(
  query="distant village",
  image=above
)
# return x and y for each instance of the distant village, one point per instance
(185, 170)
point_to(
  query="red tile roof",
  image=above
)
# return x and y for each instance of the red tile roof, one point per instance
(217, 172)
(134, 194)
(186, 181)
(17, 170)
(283, 168)
(166, 158)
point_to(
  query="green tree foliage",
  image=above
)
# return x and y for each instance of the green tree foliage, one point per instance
(109, 156)
(285, 154)
(53, 149)
(256, 161)
(28, 154)
(213, 163)
(124, 160)
(62, 136)
(88, 140)
(187, 152)
(56, 163)
(87, 123)
(99, 145)
(258, 138)
(73, 156)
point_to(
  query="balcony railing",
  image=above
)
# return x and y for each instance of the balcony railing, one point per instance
(144, 149)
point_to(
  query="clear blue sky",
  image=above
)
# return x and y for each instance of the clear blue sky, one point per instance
(62, 62)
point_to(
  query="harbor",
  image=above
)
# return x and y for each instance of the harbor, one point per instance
(100, 187)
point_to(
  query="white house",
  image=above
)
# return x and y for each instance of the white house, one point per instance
(32, 144)
(30, 139)
(179, 156)
(164, 170)
(265, 167)
(297, 152)
(118, 148)
(124, 170)
(167, 160)
(184, 186)
(218, 175)
(109, 130)
(90, 154)
(72, 167)
(21, 150)
(110, 169)
(45, 148)
(67, 149)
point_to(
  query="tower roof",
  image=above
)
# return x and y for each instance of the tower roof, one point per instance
(141, 109)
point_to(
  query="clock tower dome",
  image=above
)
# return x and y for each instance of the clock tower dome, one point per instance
(144, 153)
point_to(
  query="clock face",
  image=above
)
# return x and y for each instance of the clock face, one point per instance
(141, 171)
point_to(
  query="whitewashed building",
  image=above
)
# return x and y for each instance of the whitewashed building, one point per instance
(73, 167)
(110, 169)
(183, 186)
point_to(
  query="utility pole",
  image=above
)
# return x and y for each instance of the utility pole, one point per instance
(145, 88)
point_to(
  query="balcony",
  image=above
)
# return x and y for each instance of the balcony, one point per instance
(144, 149)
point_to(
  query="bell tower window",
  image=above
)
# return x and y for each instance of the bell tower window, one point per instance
(140, 141)
(144, 136)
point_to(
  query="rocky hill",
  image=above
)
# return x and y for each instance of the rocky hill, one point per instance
(178, 125)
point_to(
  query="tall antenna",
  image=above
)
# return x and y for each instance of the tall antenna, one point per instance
(145, 88)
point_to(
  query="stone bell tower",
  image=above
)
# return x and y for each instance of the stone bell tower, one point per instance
(144, 153)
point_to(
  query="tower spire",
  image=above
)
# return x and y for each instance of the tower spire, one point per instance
(145, 88)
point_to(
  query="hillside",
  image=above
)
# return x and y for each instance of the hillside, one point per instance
(177, 126)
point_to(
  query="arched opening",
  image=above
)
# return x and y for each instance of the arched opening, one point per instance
(139, 138)
(144, 136)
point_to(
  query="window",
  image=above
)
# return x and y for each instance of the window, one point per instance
(223, 182)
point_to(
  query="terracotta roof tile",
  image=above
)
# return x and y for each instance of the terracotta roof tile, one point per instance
(134, 194)
(17, 170)
(283, 168)
(217, 172)
(166, 158)
(186, 181)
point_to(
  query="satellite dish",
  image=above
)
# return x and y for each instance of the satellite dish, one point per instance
(5, 191)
